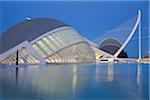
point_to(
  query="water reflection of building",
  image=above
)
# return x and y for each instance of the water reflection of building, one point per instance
(47, 79)
(110, 72)
(74, 77)
(64, 80)
(139, 74)
(105, 72)
(139, 79)
(98, 72)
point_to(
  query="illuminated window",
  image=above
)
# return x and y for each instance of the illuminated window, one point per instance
(54, 41)
(45, 48)
(39, 50)
(47, 43)
(61, 43)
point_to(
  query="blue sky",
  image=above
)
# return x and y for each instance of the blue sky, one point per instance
(90, 18)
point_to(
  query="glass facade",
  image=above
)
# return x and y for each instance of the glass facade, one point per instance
(73, 54)
(64, 45)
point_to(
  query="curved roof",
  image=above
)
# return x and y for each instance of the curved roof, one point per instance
(27, 30)
(111, 46)
(110, 41)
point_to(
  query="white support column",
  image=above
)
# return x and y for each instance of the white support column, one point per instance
(139, 40)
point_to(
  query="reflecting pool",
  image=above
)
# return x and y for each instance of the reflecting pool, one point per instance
(75, 82)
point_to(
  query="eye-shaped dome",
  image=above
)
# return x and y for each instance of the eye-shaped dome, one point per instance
(48, 41)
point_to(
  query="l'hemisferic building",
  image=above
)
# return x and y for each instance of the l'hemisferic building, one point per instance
(43, 40)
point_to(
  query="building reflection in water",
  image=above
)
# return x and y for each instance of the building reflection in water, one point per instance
(110, 72)
(16, 77)
(19, 73)
(139, 75)
(74, 77)
(98, 71)
(72, 81)
(107, 73)
(139, 79)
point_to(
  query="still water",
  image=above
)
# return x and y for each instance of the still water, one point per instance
(75, 82)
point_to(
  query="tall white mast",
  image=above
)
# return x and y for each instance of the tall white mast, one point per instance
(139, 36)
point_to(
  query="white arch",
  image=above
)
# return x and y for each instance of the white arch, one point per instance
(131, 34)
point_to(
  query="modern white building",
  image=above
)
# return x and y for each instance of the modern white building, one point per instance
(44, 41)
